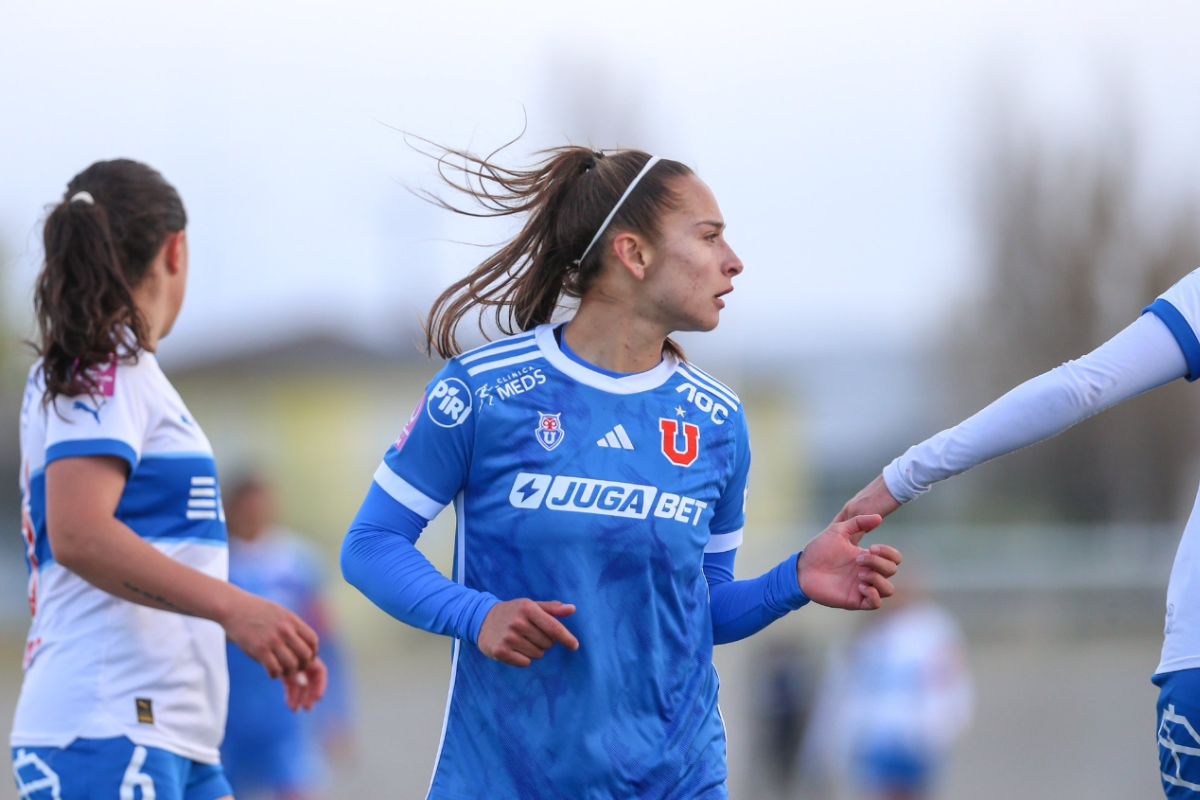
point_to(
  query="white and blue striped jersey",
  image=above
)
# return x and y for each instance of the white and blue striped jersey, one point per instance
(605, 491)
(98, 666)
(1179, 309)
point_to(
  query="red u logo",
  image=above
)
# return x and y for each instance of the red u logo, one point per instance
(670, 441)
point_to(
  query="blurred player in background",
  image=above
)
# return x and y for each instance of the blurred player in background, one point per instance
(783, 689)
(599, 481)
(125, 679)
(893, 702)
(269, 751)
(1159, 347)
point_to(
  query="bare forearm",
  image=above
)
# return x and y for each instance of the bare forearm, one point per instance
(114, 558)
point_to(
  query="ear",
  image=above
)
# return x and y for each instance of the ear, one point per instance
(175, 250)
(633, 252)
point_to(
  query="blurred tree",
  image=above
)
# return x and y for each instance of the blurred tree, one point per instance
(1074, 246)
(14, 361)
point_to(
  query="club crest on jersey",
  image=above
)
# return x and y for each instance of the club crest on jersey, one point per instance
(680, 441)
(549, 431)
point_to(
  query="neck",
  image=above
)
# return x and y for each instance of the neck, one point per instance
(608, 335)
(152, 314)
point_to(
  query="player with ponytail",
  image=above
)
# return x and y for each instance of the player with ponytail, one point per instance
(598, 480)
(125, 680)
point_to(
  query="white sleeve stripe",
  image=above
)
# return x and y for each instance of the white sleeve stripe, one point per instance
(709, 386)
(524, 341)
(715, 386)
(406, 494)
(713, 380)
(722, 542)
(504, 362)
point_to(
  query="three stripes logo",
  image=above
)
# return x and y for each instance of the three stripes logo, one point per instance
(203, 502)
(617, 438)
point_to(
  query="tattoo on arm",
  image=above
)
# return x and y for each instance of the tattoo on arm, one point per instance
(155, 599)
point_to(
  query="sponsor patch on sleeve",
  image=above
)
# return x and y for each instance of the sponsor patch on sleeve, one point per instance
(412, 421)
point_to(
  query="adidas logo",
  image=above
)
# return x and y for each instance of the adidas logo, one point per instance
(617, 438)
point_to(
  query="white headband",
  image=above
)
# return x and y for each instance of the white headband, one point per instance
(629, 190)
(83, 197)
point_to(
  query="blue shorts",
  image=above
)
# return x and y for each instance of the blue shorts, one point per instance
(1179, 733)
(887, 766)
(289, 763)
(112, 769)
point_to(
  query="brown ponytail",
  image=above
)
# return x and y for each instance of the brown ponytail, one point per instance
(99, 246)
(566, 197)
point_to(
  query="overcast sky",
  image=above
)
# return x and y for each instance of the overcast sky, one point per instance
(838, 138)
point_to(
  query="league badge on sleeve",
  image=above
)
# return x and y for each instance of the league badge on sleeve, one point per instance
(412, 421)
(549, 430)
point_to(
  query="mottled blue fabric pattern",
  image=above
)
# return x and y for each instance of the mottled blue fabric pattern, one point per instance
(577, 487)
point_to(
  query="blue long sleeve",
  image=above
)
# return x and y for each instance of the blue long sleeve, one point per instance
(742, 608)
(380, 558)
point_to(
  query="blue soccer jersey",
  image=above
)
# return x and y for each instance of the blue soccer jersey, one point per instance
(594, 489)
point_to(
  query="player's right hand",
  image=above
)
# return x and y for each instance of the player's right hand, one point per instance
(270, 634)
(304, 688)
(518, 632)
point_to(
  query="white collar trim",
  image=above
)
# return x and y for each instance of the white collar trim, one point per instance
(629, 384)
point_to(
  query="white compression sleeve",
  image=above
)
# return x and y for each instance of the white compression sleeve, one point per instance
(1141, 357)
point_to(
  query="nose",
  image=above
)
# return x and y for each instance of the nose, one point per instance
(733, 265)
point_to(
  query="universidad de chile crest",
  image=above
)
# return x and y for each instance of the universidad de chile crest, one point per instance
(549, 430)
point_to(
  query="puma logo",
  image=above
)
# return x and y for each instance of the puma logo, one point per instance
(82, 406)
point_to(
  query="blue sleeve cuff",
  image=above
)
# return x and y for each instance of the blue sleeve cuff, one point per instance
(1179, 327)
(742, 608)
(484, 605)
(788, 584)
(83, 448)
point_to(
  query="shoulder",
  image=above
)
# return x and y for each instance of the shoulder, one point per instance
(128, 375)
(707, 393)
(452, 393)
(481, 364)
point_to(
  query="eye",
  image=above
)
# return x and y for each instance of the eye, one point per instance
(713, 236)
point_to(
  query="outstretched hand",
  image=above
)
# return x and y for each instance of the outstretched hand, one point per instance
(835, 571)
(874, 498)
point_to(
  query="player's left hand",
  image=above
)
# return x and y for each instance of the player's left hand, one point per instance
(874, 498)
(834, 571)
(305, 687)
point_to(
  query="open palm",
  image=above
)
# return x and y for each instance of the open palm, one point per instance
(835, 571)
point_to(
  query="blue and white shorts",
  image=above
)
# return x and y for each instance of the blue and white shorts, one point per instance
(113, 768)
(1179, 733)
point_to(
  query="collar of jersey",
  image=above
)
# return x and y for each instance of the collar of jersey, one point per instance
(627, 384)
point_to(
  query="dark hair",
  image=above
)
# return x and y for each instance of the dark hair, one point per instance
(566, 197)
(242, 485)
(98, 249)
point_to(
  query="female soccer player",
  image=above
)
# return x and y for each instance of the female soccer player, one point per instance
(125, 679)
(269, 752)
(599, 480)
(1159, 347)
